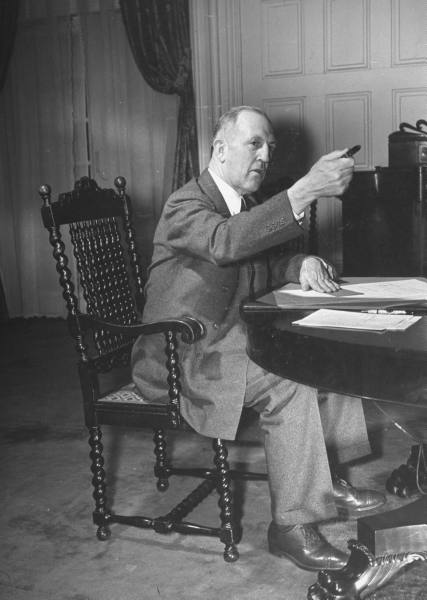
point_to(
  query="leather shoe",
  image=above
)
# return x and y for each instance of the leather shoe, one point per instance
(304, 546)
(355, 500)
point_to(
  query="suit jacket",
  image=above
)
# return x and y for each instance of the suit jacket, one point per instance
(201, 267)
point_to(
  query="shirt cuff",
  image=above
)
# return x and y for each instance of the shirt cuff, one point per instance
(299, 218)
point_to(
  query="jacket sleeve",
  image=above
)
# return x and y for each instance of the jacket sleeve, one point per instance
(285, 268)
(192, 225)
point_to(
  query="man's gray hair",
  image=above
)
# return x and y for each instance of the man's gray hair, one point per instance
(230, 117)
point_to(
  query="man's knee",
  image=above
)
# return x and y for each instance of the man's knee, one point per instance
(288, 396)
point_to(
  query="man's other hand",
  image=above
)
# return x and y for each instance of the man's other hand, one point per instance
(318, 275)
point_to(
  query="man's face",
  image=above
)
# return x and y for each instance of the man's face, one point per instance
(246, 151)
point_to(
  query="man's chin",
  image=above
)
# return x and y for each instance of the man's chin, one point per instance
(254, 184)
(251, 189)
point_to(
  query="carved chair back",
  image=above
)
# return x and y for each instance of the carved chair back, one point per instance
(108, 268)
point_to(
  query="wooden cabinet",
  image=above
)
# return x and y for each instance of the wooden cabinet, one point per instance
(384, 223)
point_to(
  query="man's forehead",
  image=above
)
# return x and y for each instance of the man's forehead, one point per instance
(254, 124)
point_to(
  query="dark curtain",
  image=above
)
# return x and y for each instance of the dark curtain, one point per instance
(9, 10)
(159, 37)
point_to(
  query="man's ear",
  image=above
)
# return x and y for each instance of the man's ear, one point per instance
(219, 147)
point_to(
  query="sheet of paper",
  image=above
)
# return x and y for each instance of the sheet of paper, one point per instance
(414, 289)
(409, 289)
(297, 291)
(342, 319)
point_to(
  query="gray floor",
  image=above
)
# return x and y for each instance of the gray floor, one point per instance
(48, 546)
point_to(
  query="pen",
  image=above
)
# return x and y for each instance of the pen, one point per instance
(351, 151)
(382, 311)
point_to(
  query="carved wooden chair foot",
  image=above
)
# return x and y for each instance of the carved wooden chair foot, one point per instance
(362, 575)
(407, 479)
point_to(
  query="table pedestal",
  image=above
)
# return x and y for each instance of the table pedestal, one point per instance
(400, 530)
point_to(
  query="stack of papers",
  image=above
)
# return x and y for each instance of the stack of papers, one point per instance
(343, 319)
(409, 288)
(355, 293)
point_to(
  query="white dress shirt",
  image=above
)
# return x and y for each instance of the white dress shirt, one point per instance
(234, 200)
(231, 197)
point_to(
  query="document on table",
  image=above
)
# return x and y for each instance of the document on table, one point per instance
(355, 293)
(408, 289)
(342, 319)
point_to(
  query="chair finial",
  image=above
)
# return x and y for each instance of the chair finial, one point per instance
(120, 183)
(45, 191)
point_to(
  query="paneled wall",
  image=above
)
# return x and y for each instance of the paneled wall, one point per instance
(330, 74)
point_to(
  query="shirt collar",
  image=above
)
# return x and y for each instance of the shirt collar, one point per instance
(231, 197)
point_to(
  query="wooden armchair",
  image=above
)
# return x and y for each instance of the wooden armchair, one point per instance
(111, 282)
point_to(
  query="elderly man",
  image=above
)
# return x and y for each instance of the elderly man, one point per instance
(211, 239)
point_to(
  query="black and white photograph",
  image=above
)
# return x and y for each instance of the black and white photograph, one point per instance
(213, 299)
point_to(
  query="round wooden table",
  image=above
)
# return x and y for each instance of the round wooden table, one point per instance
(389, 367)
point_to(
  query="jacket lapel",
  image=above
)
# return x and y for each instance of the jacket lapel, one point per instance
(208, 187)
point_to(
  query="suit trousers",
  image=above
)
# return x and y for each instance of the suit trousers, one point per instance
(301, 428)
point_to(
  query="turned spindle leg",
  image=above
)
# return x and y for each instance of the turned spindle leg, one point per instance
(228, 533)
(101, 514)
(161, 469)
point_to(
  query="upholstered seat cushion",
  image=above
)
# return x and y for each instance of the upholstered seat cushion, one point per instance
(126, 394)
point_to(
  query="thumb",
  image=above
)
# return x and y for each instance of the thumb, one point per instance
(335, 154)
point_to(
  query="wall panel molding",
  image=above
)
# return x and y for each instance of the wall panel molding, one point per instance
(409, 32)
(408, 105)
(342, 131)
(282, 38)
(347, 48)
(291, 110)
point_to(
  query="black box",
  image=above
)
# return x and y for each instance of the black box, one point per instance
(384, 218)
(407, 149)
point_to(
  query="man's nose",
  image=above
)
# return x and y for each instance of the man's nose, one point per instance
(264, 153)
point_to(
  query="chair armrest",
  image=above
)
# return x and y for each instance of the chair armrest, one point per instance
(191, 329)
